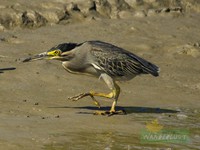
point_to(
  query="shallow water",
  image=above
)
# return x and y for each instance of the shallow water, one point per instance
(185, 119)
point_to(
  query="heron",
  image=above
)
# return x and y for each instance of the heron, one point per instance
(102, 60)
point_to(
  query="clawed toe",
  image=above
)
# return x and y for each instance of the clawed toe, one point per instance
(80, 96)
(110, 113)
(77, 97)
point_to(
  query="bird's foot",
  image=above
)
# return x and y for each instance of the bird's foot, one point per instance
(97, 103)
(78, 97)
(110, 113)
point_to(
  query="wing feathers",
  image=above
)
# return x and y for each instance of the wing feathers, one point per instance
(116, 61)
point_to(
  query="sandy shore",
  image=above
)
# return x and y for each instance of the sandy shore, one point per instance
(35, 112)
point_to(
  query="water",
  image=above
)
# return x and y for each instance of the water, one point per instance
(108, 140)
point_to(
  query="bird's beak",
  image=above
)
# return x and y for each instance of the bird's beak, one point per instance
(35, 57)
(54, 54)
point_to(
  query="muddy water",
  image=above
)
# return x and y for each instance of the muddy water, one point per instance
(184, 119)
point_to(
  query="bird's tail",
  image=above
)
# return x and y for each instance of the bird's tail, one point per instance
(151, 69)
(146, 66)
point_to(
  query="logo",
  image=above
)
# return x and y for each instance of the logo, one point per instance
(154, 126)
(155, 133)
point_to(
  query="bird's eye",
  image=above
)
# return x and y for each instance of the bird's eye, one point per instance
(56, 53)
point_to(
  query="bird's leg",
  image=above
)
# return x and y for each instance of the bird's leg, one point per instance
(82, 95)
(116, 93)
(113, 94)
(92, 94)
(109, 82)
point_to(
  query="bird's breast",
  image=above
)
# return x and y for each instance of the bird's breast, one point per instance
(86, 69)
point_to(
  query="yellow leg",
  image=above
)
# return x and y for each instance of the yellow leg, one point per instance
(113, 94)
(91, 94)
(80, 96)
(116, 95)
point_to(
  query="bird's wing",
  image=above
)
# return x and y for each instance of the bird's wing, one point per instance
(146, 66)
(116, 61)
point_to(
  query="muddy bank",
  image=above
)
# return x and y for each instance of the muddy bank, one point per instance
(35, 112)
(33, 14)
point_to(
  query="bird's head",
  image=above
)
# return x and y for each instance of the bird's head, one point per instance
(60, 52)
